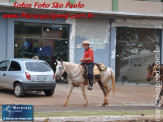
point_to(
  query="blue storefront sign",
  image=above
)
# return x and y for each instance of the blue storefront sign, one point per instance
(17, 112)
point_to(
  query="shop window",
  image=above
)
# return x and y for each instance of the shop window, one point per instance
(27, 29)
(55, 31)
(138, 35)
(138, 45)
(47, 41)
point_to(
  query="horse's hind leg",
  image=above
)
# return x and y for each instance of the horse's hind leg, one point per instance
(105, 93)
(84, 94)
(106, 101)
(69, 93)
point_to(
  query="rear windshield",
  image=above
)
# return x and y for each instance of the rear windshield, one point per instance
(37, 66)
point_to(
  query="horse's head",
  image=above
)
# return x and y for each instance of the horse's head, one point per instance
(150, 74)
(60, 69)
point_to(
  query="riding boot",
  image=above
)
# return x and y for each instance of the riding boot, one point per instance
(89, 87)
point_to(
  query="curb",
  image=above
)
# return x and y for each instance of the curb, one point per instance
(125, 118)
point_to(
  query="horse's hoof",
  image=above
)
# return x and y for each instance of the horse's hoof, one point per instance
(64, 105)
(85, 105)
(106, 103)
(103, 105)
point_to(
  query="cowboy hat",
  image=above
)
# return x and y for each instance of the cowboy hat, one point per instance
(85, 42)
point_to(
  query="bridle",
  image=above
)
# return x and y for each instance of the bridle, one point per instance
(60, 74)
(79, 67)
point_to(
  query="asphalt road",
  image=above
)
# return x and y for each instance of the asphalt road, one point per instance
(127, 97)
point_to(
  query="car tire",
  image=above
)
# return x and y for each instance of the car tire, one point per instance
(19, 90)
(49, 92)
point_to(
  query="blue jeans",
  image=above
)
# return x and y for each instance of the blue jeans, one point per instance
(90, 72)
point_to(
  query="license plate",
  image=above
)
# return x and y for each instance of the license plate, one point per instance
(43, 78)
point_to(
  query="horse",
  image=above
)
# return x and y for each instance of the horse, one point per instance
(153, 70)
(76, 79)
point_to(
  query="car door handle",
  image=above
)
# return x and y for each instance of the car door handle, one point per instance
(4, 74)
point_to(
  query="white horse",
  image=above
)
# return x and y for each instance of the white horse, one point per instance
(76, 79)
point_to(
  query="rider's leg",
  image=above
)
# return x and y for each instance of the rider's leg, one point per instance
(90, 73)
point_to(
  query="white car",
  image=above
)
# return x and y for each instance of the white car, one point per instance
(27, 75)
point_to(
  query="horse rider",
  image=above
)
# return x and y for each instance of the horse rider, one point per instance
(89, 61)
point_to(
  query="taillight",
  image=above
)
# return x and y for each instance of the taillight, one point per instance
(28, 76)
(53, 76)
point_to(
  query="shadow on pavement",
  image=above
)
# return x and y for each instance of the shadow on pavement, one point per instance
(27, 94)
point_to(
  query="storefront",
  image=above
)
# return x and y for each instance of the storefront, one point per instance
(125, 45)
(48, 41)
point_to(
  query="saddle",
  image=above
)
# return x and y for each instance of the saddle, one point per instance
(98, 67)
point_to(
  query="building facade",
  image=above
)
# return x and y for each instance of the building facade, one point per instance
(125, 35)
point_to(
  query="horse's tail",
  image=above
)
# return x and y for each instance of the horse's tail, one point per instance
(112, 80)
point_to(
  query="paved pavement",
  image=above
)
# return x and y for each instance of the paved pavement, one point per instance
(127, 97)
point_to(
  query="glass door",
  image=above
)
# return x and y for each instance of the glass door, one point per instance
(135, 49)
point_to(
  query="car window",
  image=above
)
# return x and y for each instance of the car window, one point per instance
(15, 66)
(133, 62)
(140, 61)
(4, 65)
(37, 66)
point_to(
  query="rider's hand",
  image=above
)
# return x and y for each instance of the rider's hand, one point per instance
(81, 60)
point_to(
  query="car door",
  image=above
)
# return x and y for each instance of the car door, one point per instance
(14, 73)
(3, 71)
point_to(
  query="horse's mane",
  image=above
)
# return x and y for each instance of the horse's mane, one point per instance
(70, 64)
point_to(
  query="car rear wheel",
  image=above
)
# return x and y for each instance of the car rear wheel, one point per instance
(18, 90)
(49, 92)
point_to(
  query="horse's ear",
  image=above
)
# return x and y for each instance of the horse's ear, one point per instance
(57, 61)
(153, 64)
(61, 61)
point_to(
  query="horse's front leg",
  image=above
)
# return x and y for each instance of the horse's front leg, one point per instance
(69, 93)
(84, 94)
